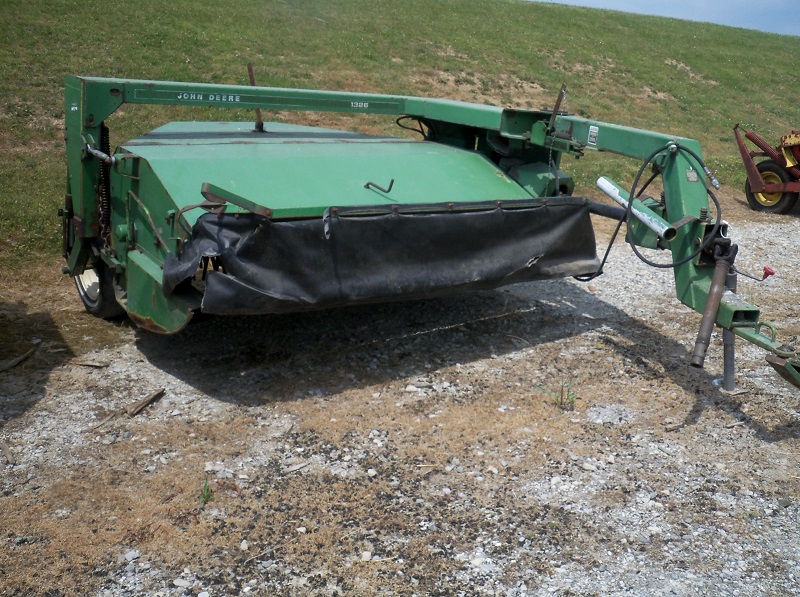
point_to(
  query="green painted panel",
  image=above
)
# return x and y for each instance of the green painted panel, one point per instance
(301, 171)
(147, 305)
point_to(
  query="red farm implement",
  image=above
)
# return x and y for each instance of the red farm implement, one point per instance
(772, 184)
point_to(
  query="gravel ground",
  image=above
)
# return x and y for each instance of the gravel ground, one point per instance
(543, 439)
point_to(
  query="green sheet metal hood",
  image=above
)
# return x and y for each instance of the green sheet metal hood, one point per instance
(299, 171)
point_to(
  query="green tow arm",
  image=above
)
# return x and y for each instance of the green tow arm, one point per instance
(536, 140)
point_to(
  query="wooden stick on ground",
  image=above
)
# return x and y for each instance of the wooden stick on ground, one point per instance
(137, 407)
(132, 409)
(10, 364)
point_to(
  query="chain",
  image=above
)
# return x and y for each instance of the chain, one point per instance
(561, 106)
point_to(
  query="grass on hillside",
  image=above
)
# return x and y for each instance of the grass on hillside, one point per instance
(692, 79)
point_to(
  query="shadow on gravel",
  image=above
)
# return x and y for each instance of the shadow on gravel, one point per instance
(253, 360)
(741, 199)
(31, 346)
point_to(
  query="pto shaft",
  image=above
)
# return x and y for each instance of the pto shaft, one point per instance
(724, 256)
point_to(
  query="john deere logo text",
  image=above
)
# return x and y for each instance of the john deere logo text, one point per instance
(208, 97)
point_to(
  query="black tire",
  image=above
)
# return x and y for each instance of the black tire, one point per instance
(777, 203)
(96, 289)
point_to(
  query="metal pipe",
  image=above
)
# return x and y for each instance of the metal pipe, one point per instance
(710, 313)
(640, 211)
(753, 175)
(728, 344)
(606, 211)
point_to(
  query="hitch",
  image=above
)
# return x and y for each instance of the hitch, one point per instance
(783, 360)
(788, 369)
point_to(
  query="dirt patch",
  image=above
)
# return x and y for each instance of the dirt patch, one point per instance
(593, 71)
(686, 69)
(480, 88)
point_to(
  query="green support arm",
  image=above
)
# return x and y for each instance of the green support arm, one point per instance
(94, 99)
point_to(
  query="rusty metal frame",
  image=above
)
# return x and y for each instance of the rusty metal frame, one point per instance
(757, 184)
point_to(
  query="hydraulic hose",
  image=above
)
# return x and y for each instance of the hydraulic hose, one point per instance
(709, 238)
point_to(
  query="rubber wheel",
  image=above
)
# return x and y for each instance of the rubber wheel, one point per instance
(778, 203)
(96, 289)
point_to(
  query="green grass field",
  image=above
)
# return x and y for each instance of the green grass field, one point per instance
(695, 80)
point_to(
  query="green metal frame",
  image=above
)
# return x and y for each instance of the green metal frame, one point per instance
(527, 136)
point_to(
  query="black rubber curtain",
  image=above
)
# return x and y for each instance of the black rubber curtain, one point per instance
(361, 255)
